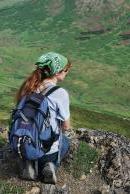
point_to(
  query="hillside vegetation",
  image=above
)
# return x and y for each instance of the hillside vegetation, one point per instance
(94, 34)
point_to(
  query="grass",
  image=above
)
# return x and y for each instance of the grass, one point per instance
(2, 141)
(104, 79)
(84, 160)
(6, 4)
(8, 188)
(82, 118)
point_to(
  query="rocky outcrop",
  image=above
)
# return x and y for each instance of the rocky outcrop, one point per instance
(114, 162)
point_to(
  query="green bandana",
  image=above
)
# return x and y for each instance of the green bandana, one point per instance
(54, 61)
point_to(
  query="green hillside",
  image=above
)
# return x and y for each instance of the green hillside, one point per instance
(96, 38)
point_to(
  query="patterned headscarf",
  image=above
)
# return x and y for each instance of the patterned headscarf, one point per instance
(55, 61)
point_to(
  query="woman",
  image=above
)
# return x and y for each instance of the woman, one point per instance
(51, 68)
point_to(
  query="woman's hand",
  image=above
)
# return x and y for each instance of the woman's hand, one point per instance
(66, 125)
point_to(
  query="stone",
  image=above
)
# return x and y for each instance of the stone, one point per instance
(83, 177)
(34, 190)
(53, 189)
(114, 162)
(96, 192)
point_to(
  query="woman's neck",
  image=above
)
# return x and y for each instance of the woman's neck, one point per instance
(52, 80)
(46, 83)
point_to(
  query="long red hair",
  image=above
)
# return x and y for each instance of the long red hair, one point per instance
(31, 83)
(34, 81)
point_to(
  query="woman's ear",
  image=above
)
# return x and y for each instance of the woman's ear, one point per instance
(57, 74)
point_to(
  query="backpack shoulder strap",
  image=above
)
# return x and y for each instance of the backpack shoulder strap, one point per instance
(52, 90)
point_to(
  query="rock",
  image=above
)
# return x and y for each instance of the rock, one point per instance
(90, 171)
(96, 192)
(34, 190)
(114, 162)
(105, 189)
(48, 188)
(83, 177)
(65, 189)
(52, 189)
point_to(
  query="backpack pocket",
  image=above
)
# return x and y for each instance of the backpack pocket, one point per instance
(47, 137)
(25, 145)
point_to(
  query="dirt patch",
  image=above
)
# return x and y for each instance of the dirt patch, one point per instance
(89, 184)
(125, 36)
(125, 42)
(128, 22)
(125, 33)
(9, 171)
(83, 6)
(119, 2)
(55, 7)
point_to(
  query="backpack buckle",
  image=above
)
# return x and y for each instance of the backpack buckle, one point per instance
(21, 141)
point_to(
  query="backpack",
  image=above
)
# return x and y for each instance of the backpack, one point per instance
(30, 134)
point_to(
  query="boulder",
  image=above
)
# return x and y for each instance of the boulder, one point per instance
(114, 162)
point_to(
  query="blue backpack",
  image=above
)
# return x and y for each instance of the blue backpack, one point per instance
(31, 135)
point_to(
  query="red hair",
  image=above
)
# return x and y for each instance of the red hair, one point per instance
(32, 82)
(35, 80)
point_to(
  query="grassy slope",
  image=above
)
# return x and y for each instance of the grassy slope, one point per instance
(99, 80)
(6, 3)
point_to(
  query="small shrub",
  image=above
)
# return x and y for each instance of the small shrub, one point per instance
(84, 160)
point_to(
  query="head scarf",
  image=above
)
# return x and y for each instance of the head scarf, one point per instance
(55, 61)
